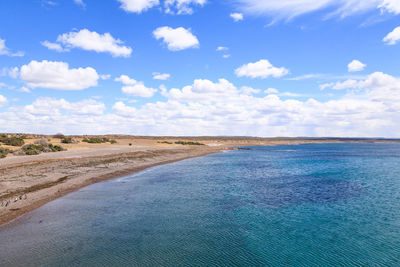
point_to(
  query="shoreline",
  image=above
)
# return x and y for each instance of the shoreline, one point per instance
(62, 188)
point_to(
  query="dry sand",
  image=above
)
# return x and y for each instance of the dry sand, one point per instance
(28, 182)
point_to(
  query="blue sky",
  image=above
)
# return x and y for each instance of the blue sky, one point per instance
(244, 67)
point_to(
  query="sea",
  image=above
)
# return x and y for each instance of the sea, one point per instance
(286, 205)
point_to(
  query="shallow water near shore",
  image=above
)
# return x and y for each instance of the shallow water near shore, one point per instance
(295, 205)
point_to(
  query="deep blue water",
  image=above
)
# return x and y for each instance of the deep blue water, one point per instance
(297, 205)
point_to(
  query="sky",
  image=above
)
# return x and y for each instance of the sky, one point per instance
(201, 67)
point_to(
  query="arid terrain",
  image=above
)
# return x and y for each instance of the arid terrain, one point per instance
(29, 181)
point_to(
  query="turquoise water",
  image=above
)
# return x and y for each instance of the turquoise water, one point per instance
(298, 205)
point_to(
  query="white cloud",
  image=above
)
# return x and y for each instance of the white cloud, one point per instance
(161, 76)
(6, 52)
(236, 16)
(105, 76)
(11, 72)
(392, 6)
(182, 7)
(134, 88)
(54, 46)
(176, 39)
(179, 7)
(355, 66)
(57, 75)
(222, 48)
(376, 81)
(306, 77)
(220, 108)
(24, 89)
(121, 109)
(226, 56)
(270, 91)
(261, 69)
(48, 106)
(393, 37)
(80, 3)
(288, 9)
(90, 41)
(3, 101)
(138, 6)
(249, 90)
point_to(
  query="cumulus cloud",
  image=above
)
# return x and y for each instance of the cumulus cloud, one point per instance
(48, 105)
(57, 75)
(138, 6)
(123, 110)
(3, 101)
(355, 66)
(161, 76)
(90, 41)
(236, 16)
(219, 107)
(176, 39)
(378, 81)
(393, 37)
(134, 88)
(288, 9)
(6, 52)
(261, 69)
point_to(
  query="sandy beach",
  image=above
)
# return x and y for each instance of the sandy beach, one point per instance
(28, 182)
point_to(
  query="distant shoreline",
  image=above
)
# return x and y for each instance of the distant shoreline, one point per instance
(48, 176)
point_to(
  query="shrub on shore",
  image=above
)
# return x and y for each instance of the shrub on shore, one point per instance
(68, 140)
(4, 152)
(165, 142)
(12, 141)
(189, 143)
(97, 140)
(36, 149)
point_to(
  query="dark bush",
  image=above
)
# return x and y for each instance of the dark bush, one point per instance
(97, 140)
(67, 140)
(189, 143)
(12, 141)
(4, 152)
(165, 142)
(33, 149)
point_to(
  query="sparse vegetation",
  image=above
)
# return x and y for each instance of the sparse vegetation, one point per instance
(36, 149)
(67, 140)
(189, 143)
(4, 152)
(12, 141)
(97, 140)
(165, 142)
